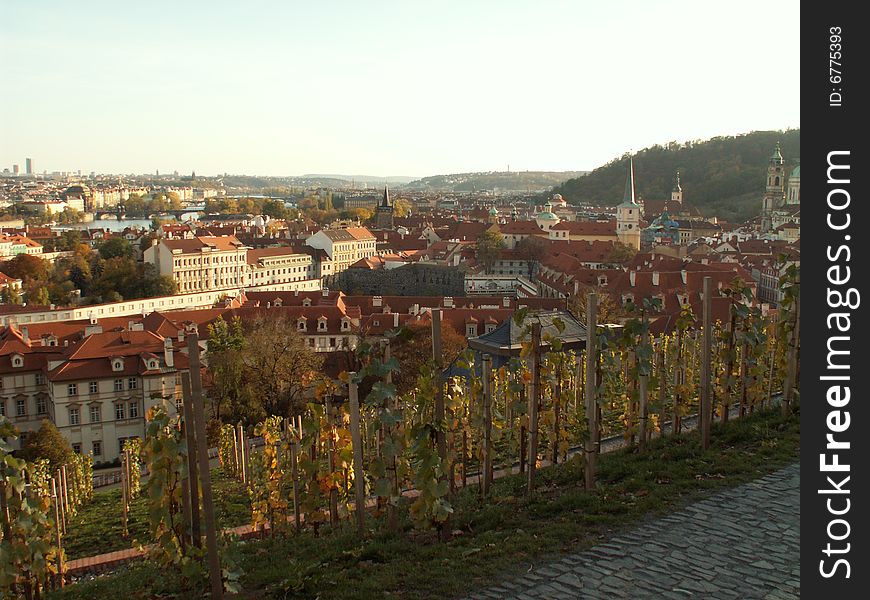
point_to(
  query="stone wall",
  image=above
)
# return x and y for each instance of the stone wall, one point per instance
(408, 280)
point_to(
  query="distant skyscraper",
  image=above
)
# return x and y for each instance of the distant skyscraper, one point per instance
(15, 169)
(28, 166)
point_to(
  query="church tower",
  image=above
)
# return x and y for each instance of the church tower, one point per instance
(774, 191)
(677, 193)
(628, 213)
(384, 212)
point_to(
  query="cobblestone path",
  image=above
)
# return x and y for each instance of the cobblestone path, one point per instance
(739, 544)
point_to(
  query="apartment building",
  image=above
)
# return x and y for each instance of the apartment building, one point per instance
(344, 246)
(203, 263)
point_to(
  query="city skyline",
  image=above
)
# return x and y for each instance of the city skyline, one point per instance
(385, 90)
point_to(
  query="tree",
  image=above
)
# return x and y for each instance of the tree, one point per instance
(115, 247)
(39, 297)
(10, 295)
(274, 209)
(278, 367)
(532, 250)
(489, 247)
(226, 342)
(412, 348)
(621, 253)
(28, 268)
(47, 442)
(401, 207)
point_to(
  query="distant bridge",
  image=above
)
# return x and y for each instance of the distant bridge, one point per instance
(124, 214)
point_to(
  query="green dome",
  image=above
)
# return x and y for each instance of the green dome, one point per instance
(796, 172)
(547, 216)
(493, 212)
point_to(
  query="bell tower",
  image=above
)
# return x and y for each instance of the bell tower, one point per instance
(628, 213)
(384, 212)
(774, 190)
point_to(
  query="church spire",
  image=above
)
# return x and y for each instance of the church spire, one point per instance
(386, 201)
(628, 198)
(677, 187)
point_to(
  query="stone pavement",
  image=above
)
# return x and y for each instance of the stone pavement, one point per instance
(739, 544)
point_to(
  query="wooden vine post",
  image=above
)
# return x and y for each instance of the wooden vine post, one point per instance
(679, 378)
(705, 409)
(243, 476)
(125, 493)
(60, 503)
(193, 476)
(296, 437)
(333, 490)
(534, 401)
(487, 424)
(591, 393)
(392, 509)
(557, 410)
(441, 440)
(359, 482)
(214, 563)
(791, 364)
(57, 532)
(643, 382)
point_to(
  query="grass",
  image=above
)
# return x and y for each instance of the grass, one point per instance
(504, 535)
(97, 527)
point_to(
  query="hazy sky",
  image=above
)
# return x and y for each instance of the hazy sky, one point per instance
(384, 88)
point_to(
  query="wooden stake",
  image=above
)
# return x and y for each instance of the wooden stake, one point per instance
(193, 475)
(487, 423)
(441, 438)
(243, 458)
(591, 392)
(65, 489)
(60, 503)
(706, 363)
(124, 494)
(333, 491)
(392, 511)
(214, 564)
(57, 532)
(557, 410)
(359, 482)
(534, 400)
(643, 381)
(791, 365)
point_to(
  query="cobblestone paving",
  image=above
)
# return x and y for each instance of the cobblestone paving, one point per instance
(739, 544)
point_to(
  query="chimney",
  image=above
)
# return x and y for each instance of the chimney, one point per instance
(506, 302)
(631, 276)
(655, 278)
(448, 301)
(25, 334)
(180, 335)
(395, 319)
(167, 352)
(325, 292)
(684, 275)
(377, 300)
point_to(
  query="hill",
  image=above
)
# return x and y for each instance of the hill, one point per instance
(518, 181)
(722, 177)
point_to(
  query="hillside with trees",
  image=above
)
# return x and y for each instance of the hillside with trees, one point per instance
(723, 176)
(506, 181)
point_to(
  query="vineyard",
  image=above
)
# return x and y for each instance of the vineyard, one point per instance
(362, 453)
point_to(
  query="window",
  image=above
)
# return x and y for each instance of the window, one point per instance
(321, 325)
(20, 407)
(134, 410)
(17, 361)
(40, 379)
(41, 406)
(73, 416)
(471, 330)
(119, 412)
(77, 448)
(132, 383)
(97, 447)
(119, 385)
(300, 325)
(3, 408)
(93, 387)
(95, 413)
(72, 389)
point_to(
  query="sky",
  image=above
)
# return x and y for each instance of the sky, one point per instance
(384, 88)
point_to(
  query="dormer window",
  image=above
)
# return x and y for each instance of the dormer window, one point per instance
(278, 302)
(152, 364)
(345, 325)
(118, 364)
(17, 360)
(300, 324)
(306, 302)
(321, 324)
